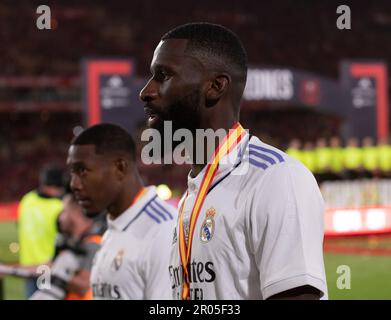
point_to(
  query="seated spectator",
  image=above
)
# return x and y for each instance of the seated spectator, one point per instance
(336, 158)
(294, 150)
(322, 160)
(370, 158)
(384, 151)
(353, 160)
(309, 156)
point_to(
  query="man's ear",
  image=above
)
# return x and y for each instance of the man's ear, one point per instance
(217, 87)
(121, 167)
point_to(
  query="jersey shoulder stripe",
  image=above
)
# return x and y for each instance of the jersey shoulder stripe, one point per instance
(267, 151)
(152, 215)
(157, 212)
(152, 208)
(142, 211)
(263, 156)
(160, 206)
(258, 164)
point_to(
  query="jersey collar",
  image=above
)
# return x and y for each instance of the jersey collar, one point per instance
(226, 164)
(124, 218)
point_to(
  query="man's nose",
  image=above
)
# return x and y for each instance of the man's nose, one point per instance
(149, 92)
(75, 183)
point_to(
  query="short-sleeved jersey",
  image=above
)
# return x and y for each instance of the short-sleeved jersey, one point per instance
(134, 256)
(259, 231)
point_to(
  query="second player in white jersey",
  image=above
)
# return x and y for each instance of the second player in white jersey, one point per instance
(259, 232)
(134, 256)
(133, 260)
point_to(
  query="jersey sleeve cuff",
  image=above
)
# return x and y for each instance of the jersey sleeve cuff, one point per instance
(294, 282)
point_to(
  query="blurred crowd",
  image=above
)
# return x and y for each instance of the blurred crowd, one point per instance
(133, 28)
(330, 160)
(27, 142)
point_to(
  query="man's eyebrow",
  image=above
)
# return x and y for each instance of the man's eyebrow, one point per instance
(77, 163)
(160, 66)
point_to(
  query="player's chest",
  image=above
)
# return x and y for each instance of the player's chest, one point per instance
(219, 226)
(117, 255)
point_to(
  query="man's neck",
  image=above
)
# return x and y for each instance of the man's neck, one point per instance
(196, 169)
(126, 197)
(49, 192)
(215, 125)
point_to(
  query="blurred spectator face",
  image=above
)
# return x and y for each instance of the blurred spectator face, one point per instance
(383, 141)
(321, 143)
(335, 142)
(367, 142)
(353, 142)
(308, 146)
(295, 144)
(173, 93)
(96, 179)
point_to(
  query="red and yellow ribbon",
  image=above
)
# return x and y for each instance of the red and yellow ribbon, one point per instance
(232, 139)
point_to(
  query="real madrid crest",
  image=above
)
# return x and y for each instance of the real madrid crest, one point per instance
(117, 262)
(208, 226)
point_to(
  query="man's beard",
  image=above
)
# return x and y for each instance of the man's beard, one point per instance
(183, 114)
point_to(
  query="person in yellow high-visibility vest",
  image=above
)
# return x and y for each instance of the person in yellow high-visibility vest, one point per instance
(322, 160)
(308, 156)
(294, 150)
(76, 247)
(353, 159)
(384, 152)
(37, 221)
(336, 158)
(370, 158)
(71, 268)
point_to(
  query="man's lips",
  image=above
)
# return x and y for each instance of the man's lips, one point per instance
(150, 111)
(152, 115)
(83, 201)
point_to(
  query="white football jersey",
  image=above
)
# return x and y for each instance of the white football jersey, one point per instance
(134, 256)
(259, 231)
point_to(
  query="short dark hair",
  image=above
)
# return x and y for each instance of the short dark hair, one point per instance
(52, 175)
(214, 41)
(107, 138)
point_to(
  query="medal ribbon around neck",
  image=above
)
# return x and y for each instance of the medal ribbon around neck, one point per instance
(231, 140)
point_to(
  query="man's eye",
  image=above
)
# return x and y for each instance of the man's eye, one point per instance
(162, 75)
(79, 170)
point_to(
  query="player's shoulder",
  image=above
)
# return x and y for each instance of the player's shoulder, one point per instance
(158, 212)
(262, 161)
(29, 196)
(262, 157)
(158, 218)
(105, 236)
(157, 228)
